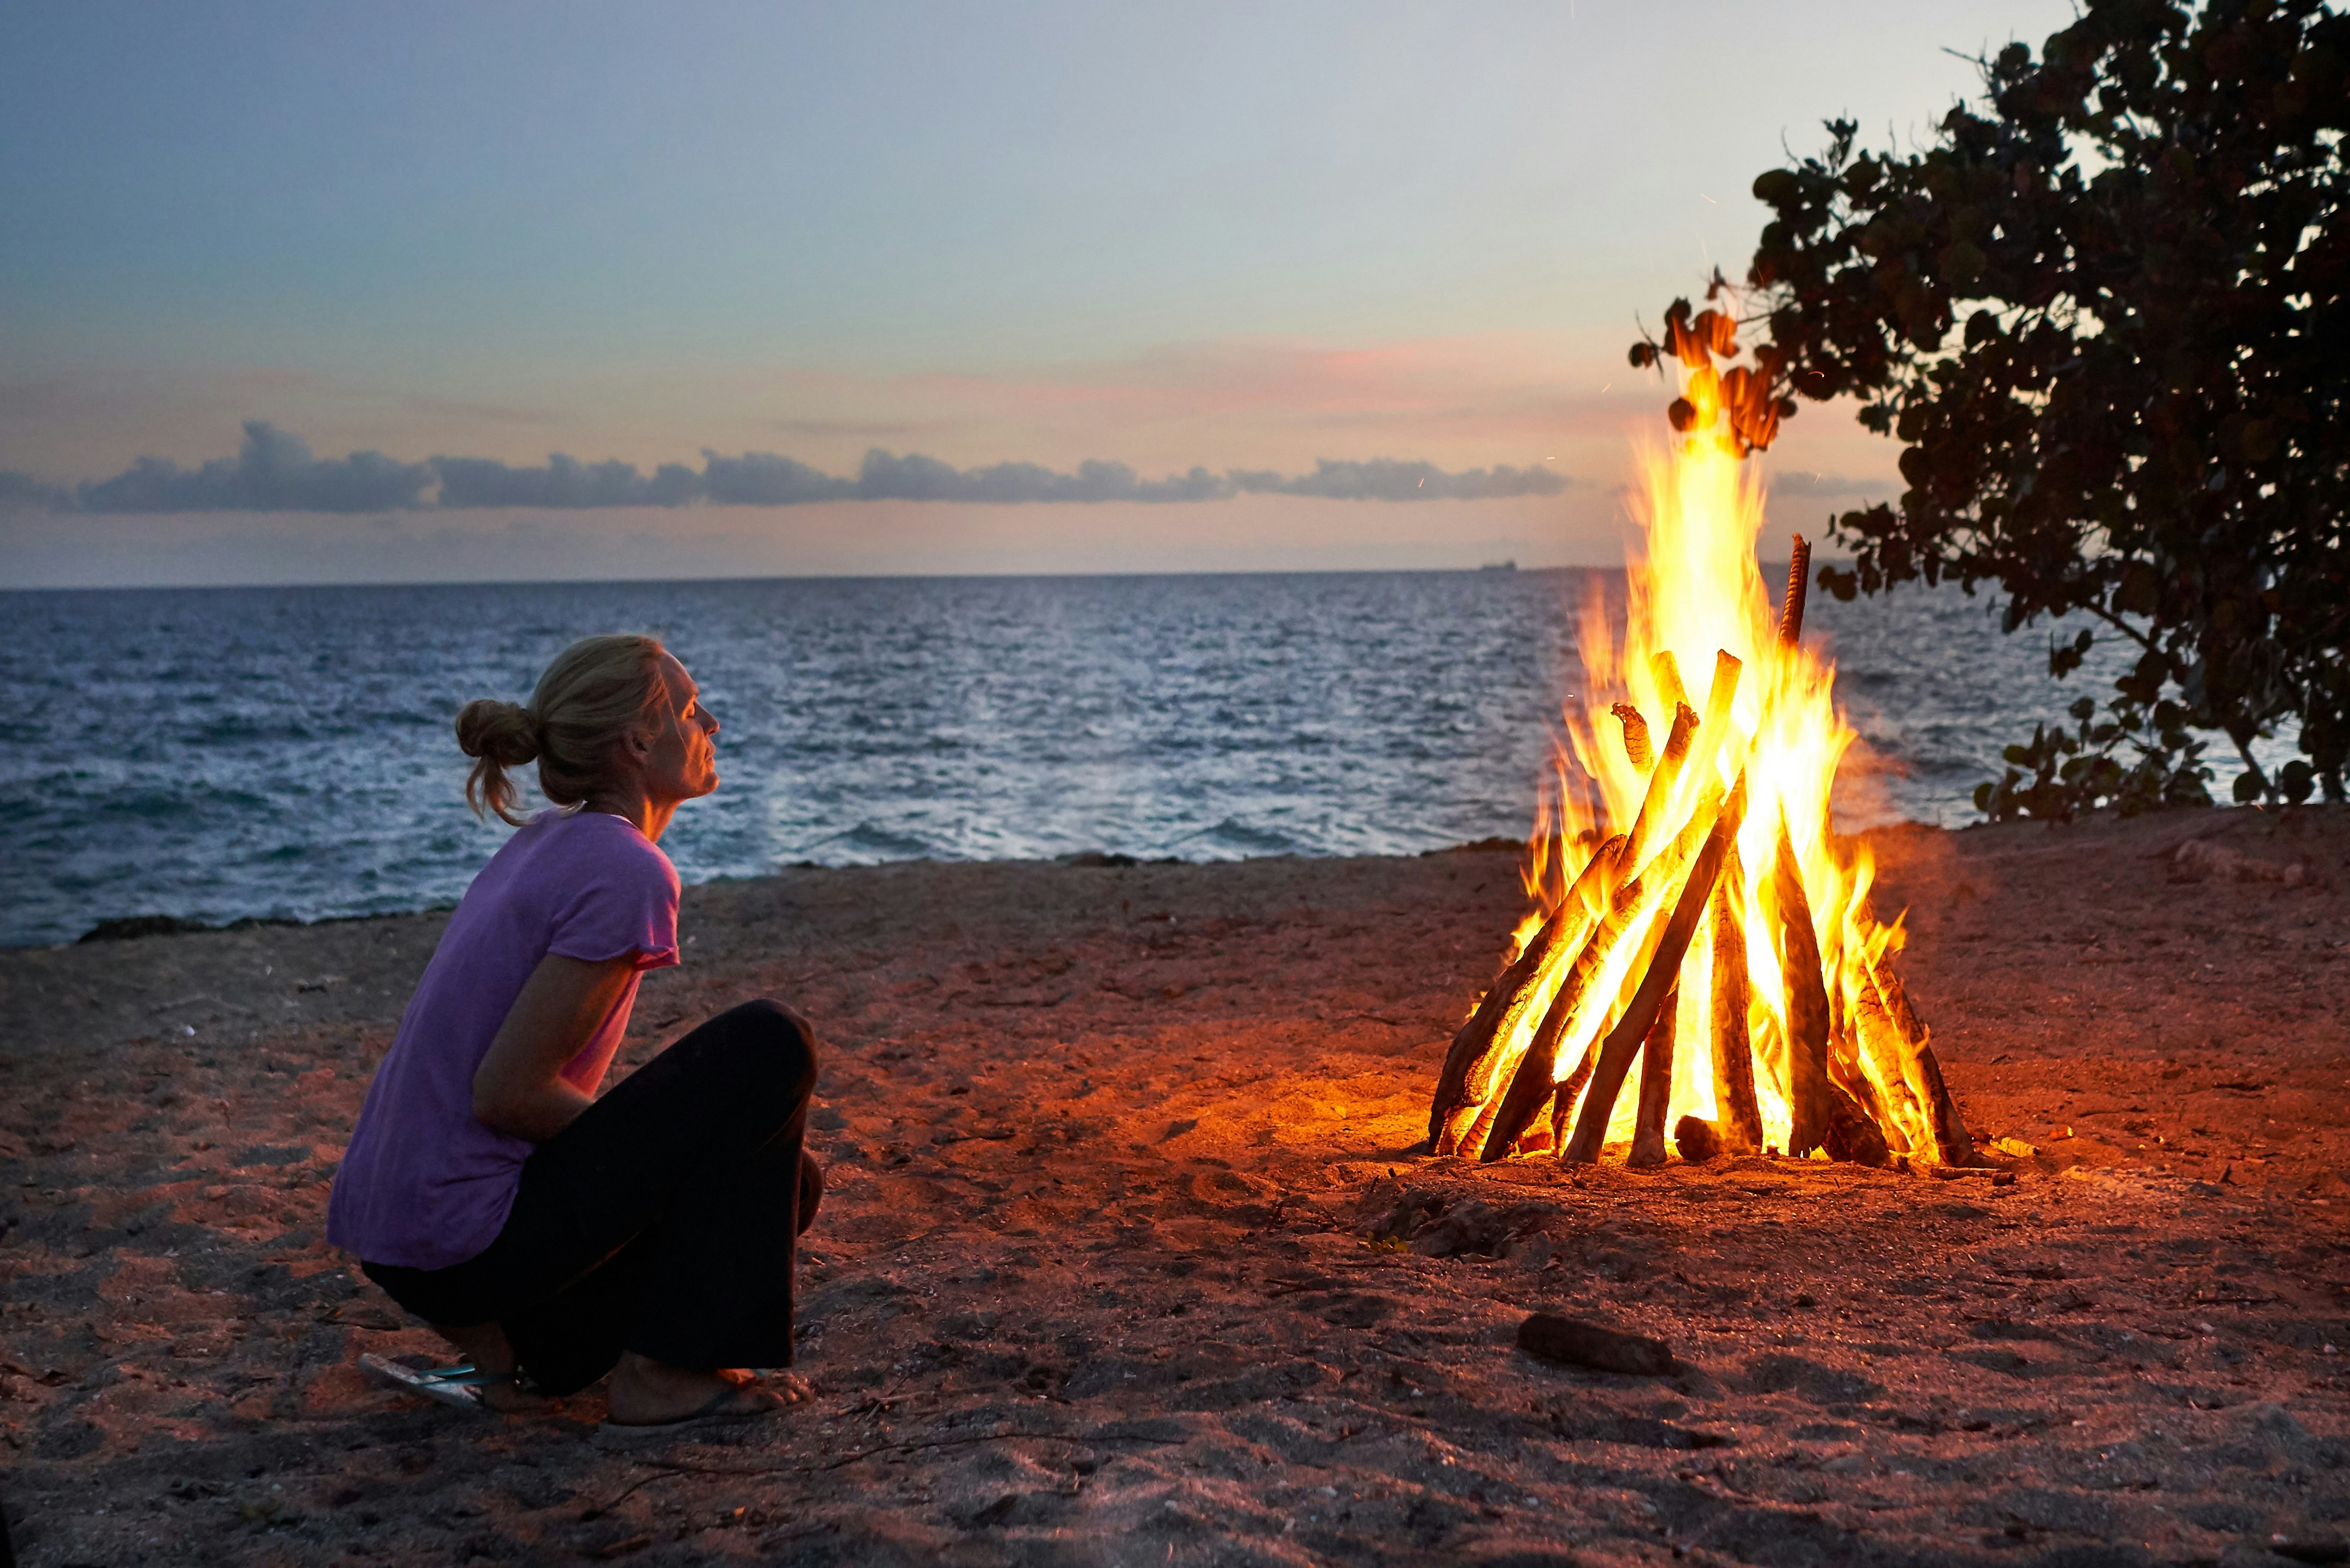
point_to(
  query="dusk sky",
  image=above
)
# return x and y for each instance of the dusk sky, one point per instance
(1238, 239)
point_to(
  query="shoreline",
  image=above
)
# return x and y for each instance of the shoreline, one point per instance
(132, 927)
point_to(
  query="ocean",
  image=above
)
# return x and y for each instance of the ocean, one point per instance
(288, 752)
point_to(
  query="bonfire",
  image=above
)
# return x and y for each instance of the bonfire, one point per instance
(1693, 916)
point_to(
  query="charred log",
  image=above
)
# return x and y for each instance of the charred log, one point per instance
(1636, 735)
(1853, 1135)
(1656, 1084)
(1799, 571)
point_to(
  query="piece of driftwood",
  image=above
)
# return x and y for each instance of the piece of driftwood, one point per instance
(1656, 1084)
(1799, 571)
(1737, 1113)
(1636, 735)
(1534, 1083)
(1471, 1064)
(1951, 1140)
(1568, 1342)
(1662, 974)
(1808, 1005)
(1696, 1139)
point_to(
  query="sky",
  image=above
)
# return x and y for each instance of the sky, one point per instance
(1271, 242)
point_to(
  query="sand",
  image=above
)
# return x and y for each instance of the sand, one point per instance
(1099, 1278)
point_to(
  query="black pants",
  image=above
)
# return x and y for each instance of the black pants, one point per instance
(664, 1220)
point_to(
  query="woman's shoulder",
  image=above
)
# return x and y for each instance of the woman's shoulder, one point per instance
(595, 841)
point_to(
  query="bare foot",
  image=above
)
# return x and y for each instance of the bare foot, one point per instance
(648, 1393)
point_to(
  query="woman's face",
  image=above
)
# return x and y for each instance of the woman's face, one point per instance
(683, 761)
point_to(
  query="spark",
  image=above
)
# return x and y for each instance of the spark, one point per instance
(1423, 481)
(1709, 198)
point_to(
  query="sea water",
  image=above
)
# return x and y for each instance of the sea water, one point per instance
(218, 753)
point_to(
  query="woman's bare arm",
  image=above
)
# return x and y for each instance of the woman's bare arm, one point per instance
(519, 1089)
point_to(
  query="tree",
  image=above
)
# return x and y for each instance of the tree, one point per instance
(2104, 310)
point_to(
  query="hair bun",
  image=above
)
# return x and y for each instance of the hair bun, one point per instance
(504, 733)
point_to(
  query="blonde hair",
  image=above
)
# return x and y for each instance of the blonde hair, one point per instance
(598, 691)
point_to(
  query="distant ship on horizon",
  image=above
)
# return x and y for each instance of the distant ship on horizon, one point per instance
(1499, 567)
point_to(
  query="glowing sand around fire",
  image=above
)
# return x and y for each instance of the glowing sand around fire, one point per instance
(1704, 929)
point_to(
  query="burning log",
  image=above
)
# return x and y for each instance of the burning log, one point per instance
(1951, 1140)
(1666, 669)
(1799, 571)
(1656, 1084)
(1807, 1005)
(1663, 972)
(1735, 1107)
(1636, 734)
(1661, 779)
(1532, 1084)
(1884, 1056)
(1471, 1063)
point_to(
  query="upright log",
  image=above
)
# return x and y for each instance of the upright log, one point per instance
(1656, 1084)
(1807, 1005)
(1799, 571)
(1667, 670)
(1623, 1041)
(1534, 1082)
(1736, 1111)
(1952, 1141)
(1470, 1064)
(1884, 1061)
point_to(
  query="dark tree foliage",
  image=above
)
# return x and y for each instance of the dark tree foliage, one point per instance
(2105, 313)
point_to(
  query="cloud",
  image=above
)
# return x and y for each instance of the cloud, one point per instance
(272, 471)
(23, 493)
(564, 483)
(275, 471)
(1385, 479)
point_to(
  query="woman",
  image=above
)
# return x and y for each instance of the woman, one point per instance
(542, 1231)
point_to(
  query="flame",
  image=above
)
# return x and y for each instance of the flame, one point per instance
(1699, 616)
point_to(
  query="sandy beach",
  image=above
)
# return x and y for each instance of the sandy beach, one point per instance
(1127, 1259)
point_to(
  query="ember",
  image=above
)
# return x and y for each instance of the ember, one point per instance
(1713, 935)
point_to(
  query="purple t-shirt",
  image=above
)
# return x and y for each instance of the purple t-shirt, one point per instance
(425, 1183)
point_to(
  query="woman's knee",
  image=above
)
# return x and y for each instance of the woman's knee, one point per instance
(778, 1038)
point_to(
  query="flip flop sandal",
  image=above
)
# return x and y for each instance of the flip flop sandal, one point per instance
(459, 1385)
(712, 1413)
